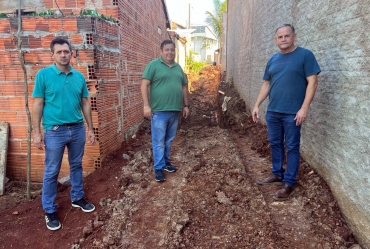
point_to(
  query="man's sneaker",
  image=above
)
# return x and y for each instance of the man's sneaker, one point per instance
(159, 177)
(84, 205)
(169, 168)
(52, 222)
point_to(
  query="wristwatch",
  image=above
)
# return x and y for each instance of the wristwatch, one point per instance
(186, 106)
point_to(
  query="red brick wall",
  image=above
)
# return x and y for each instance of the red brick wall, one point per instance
(140, 41)
(112, 59)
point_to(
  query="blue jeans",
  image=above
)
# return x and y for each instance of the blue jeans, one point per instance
(164, 127)
(74, 138)
(282, 127)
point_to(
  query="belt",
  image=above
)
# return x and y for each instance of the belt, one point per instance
(70, 124)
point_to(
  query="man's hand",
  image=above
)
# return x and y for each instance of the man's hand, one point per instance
(38, 141)
(91, 137)
(147, 112)
(300, 117)
(185, 112)
(255, 115)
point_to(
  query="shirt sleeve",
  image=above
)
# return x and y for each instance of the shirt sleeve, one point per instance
(39, 87)
(85, 92)
(311, 66)
(149, 72)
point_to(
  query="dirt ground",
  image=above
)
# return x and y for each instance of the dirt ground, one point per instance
(212, 201)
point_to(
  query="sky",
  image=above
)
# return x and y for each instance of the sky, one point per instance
(178, 10)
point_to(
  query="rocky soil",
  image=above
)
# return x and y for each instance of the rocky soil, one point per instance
(212, 201)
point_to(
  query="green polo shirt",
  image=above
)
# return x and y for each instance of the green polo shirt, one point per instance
(165, 85)
(62, 94)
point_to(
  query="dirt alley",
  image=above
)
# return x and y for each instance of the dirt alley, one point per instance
(212, 201)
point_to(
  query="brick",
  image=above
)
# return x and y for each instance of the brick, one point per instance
(31, 57)
(2, 74)
(14, 58)
(86, 56)
(69, 25)
(10, 43)
(13, 73)
(5, 58)
(55, 24)
(7, 89)
(81, 3)
(4, 103)
(48, 4)
(76, 39)
(59, 4)
(4, 26)
(42, 24)
(44, 57)
(70, 4)
(34, 42)
(46, 40)
(16, 103)
(28, 24)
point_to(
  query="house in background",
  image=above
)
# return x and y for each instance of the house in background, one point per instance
(182, 38)
(204, 44)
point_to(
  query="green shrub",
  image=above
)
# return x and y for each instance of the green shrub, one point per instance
(194, 66)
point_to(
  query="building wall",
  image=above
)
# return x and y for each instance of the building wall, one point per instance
(336, 136)
(142, 29)
(112, 59)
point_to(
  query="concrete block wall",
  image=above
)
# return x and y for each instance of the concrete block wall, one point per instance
(336, 136)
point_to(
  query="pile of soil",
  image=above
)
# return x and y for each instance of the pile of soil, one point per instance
(211, 201)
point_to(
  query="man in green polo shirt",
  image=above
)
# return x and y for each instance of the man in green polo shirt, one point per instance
(60, 98)
(164, 89)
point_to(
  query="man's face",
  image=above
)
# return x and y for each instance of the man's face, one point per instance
(168, 53)
(62, 55)
(285, 39)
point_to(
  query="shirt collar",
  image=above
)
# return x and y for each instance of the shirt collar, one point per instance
(58, 71)
(162, 61)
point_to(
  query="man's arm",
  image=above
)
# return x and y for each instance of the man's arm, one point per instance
(145, 95)
(185, 95)
(86, 110)
(38, 107)
(264, 92)
(310, 93)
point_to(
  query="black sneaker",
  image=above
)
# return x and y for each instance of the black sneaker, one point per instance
(159, 177)
(52, 222)
(169, 168)
(84, 205)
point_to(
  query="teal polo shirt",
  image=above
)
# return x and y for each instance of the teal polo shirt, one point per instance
(165, 85)
(62, 94)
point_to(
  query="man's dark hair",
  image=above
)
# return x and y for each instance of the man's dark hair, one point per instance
(286, 25)
(165, 42)
(59, 41)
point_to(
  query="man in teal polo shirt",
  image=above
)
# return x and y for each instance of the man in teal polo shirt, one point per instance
(60, 95)
(167, 97)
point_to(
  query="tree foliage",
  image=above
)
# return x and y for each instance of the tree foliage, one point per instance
(214, 20)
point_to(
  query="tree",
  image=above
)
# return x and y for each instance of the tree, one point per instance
(214, 20)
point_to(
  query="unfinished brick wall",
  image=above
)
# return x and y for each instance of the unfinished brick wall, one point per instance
(112, 59)
(96, 55)
(105, 7)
